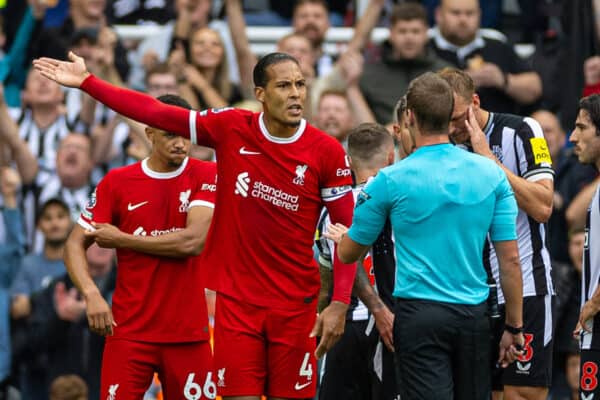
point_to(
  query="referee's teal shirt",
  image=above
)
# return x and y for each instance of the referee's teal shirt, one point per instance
(442, 202)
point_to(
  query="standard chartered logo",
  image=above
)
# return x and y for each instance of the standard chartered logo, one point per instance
(242, 184)
(267, 193)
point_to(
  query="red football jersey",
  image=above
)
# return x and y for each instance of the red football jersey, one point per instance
(271, 192)
(157, 299)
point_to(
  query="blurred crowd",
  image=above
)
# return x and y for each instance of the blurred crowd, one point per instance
(55, 144)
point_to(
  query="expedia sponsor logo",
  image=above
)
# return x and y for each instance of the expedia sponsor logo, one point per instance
(209, 187)
(342, 172)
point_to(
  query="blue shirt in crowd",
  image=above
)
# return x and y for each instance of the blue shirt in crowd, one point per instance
(11, 253)
(442, 202)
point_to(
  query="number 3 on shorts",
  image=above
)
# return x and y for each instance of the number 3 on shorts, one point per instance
(306, 367)
(193, 391)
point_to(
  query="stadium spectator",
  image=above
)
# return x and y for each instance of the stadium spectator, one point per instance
(503, 80)
(334, 116)
(36, 272)
(11, 253)
(68, 387)
(403, 57)
(205, 72)
(14, 63)
(58, 329)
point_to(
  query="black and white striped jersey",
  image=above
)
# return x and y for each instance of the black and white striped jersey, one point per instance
(591, 269)
(519, 144)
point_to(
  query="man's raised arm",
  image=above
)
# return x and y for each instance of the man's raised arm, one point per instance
(135, 105)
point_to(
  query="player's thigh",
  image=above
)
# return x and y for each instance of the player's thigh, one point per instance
(534, 368)
(423, 346)
(240, 367)
(525, 393)
(589, 374)
(291, 363)
(186, 371)
(127, 369)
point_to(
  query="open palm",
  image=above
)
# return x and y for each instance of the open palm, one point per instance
(67, 73)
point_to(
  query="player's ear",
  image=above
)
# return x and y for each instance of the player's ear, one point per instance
(259, 93)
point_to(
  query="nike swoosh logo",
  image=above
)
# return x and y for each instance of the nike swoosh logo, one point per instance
(299, 386)
(133, 207)
(248, 152)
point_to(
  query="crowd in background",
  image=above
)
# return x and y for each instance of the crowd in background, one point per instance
(57, 144)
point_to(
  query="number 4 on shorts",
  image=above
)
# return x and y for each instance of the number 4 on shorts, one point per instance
(306, 367)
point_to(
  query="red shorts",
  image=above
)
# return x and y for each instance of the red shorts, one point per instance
(264, 351)
(184, 370)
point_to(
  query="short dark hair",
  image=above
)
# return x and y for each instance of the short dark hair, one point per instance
(160, 68)
(260, 70)
(300, 3)
(461, 83)
(366, 142)
(430, 98)
(55, 201)
(408, 11)
(591, 104)
(174, 100)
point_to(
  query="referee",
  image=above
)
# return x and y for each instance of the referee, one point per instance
(586, 138)
(442, 202)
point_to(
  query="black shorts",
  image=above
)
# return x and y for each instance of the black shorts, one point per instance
(588, 375)
(534, 367)
(440, 348)
(347, 370)
(385, 385)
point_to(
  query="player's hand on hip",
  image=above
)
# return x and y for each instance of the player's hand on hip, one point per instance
(100, 318)
(67, 73)
(329, 326)
(511, 348)
(384, 320)
(105, 235)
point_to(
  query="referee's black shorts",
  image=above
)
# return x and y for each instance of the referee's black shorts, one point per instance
(442, 350)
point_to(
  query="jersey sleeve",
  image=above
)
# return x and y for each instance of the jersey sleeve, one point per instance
(203, 127)
(336, 178)
(99, 207)
(504, 221)
(371, 212)
(533, 156)
(206, 189)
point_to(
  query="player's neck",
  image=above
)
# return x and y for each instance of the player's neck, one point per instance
(156, 164)
(277, 129)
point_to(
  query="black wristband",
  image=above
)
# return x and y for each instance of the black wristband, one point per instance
(512, 330)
